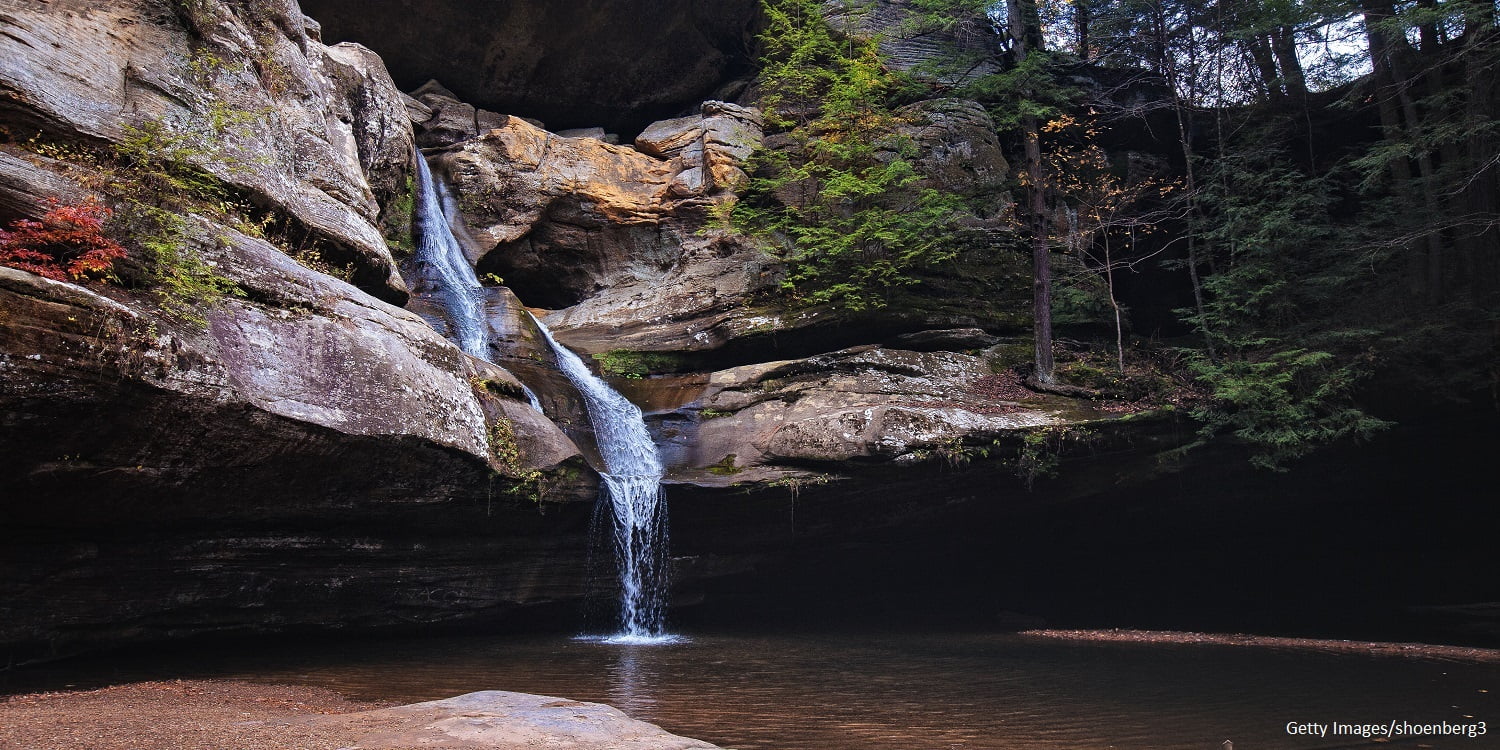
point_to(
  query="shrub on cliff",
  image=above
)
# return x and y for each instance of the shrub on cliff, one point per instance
(838, 199)
(67, 243)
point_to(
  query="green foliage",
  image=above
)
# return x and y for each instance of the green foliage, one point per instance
(1284, 377)
(839, 202)
(505, 449)
(634, 365)
(397, 221)
(725, 467)
(1034, 88)
(1042, 448)
(184, 283)
(162, 164)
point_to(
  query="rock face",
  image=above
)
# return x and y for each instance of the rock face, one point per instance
(618, 65)
(252, 98)
(865, 404)
(296, 454)
(560, 218)
(925, 52)
(956, 145)
(302, 429)
(511, 721)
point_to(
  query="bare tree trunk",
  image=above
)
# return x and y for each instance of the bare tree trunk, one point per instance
(1041, 259)
(1184, 139)
(1026, 37)
(1109, 281)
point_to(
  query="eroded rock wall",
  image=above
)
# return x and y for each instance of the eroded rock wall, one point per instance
(250, 96)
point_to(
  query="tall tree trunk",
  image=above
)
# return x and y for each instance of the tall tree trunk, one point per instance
(1387, 50)
(1082, 16)
(1041, 258)
(1114, 302)
(1026, 37)
(1265, 64)
(1284, 45)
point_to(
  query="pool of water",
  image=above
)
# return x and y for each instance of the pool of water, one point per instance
(898, 690)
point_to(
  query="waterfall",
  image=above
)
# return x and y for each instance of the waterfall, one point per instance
(438, 249)
(632, 479)
(632, 470)
(531, 398)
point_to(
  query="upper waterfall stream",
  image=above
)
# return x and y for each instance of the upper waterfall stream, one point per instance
(459, 288)
(632, 467)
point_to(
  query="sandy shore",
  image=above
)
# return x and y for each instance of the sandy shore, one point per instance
(1361, 648)
(177, 715)
(223, 715)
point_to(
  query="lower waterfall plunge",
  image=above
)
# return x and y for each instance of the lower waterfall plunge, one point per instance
(632, 477)
(632, 468)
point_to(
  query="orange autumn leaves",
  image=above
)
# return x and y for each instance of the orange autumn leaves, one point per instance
(68, 242)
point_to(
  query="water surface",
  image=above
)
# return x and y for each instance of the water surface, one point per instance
(907, 690)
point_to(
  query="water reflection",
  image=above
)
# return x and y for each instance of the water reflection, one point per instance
(630, 685)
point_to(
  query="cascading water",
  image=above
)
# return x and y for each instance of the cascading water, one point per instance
(632, 477)
(531, 398)
(633, 470)
(459, 288)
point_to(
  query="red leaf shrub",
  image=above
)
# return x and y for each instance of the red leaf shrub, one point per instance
(68, 241)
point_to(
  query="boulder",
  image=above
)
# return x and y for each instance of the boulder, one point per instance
(861, 404)
(957, 149)
(561, 219)
(666, 139)
(716, 144)
(499, 720)
(443, 120)
(247, 96)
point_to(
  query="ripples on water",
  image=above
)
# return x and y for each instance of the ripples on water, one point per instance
(908, 691)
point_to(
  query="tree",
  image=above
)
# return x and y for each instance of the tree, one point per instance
(68, 243)
(839, 201)
(1108, 215)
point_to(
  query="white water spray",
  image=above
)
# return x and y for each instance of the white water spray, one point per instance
(632, 477)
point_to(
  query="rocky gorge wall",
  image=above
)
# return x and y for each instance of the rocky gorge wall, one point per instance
(312, 452)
